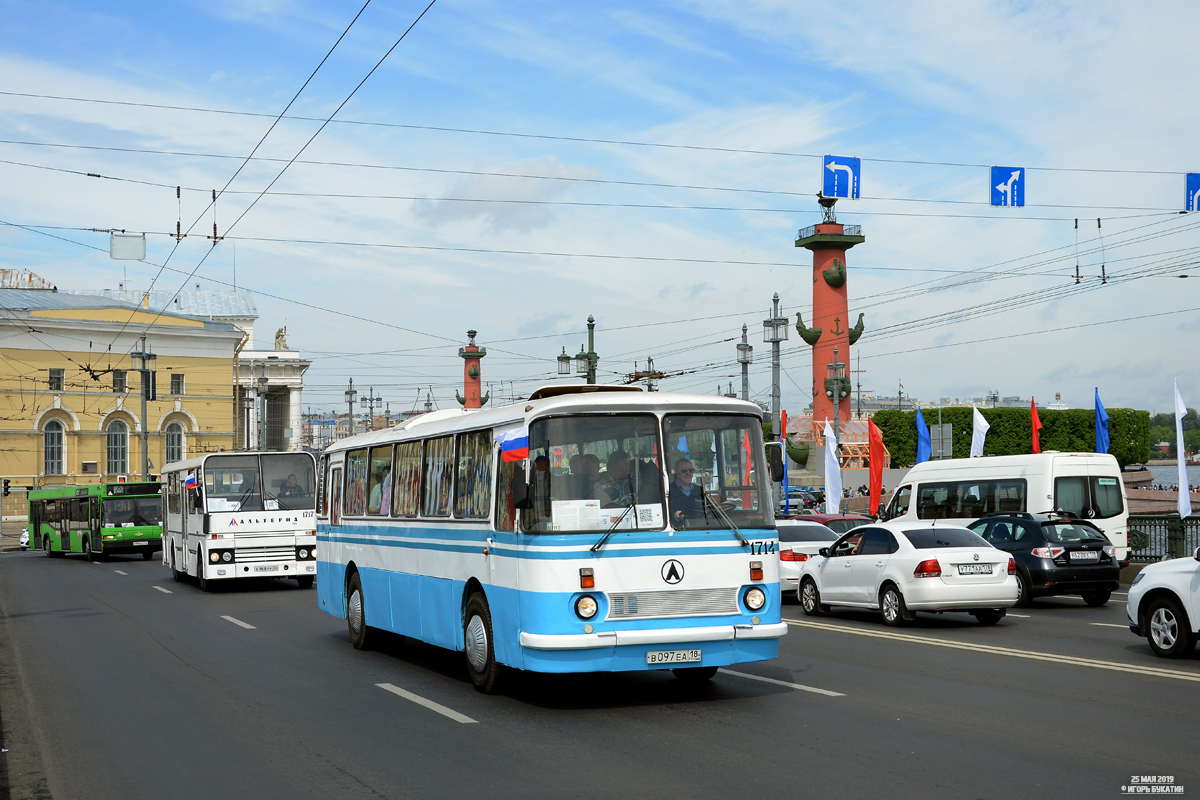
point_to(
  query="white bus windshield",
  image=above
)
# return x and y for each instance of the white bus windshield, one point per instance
(267, 482)
(716, 472)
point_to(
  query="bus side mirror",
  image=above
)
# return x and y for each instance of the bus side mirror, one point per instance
(775, 452)
(521, 495)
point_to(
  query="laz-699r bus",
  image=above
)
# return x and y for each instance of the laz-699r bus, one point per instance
(241, 515)
(588, 529)
(97, 520)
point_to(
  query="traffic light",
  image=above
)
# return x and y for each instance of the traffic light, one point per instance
(6, 487)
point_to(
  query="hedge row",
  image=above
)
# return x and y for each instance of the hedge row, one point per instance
(1070, 430)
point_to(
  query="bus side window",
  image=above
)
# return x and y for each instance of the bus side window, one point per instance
(322, 476)
(335, 497)
(506, 515)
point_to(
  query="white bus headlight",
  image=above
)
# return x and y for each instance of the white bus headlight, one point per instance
(227, 556)
(214, 557)
(586, 607)
(755, 598)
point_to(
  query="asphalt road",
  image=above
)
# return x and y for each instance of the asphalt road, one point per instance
(116, 682)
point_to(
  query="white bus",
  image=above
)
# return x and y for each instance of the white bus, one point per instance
(241, 515)
(499, 533)
(961, 490)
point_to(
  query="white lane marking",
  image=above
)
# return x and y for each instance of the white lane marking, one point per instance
(1022, 616)
(1004, 651)
(161, 589)
(799, 686)
(237, 621)
(121, 573)
(1108, 625)
(421, 701)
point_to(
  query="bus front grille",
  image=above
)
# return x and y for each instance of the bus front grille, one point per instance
(673, 603)
(280, 553)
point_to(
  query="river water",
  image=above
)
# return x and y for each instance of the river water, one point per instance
(1169, 475)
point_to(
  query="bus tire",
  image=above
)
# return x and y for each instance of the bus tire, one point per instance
(305, 581)
(695, 674)
(46, 544)
(478, 645)
(356, 614)
(92, 555)
(176, 575)
(147, 555)
(201, 581)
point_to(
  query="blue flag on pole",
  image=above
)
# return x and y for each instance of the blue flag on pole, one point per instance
(924, 443)
(1101, 425)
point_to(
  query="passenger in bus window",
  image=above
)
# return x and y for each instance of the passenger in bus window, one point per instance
(588, 478)
(686, 500)
(616, 489)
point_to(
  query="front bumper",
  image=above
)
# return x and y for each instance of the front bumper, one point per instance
(607, 639)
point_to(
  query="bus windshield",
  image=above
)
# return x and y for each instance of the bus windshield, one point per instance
(131, 512)
(716, 471)
(267, 482)
(595, 472)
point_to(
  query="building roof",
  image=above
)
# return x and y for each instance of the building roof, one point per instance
(34, 300)
(191, 302)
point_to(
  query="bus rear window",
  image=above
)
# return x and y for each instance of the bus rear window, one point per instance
(939, 537)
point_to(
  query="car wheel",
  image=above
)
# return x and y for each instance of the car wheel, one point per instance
(1024, 598)
(988, 616)
(1097, 598)
(305, 581)
(478, 645)
(356, 616)
(810, 598)
(1167, 629)
(695, 674)
(891, 603)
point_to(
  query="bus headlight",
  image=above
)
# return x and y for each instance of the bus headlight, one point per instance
(214, 557)
(227, 556)
(755, 598)
(586, 607)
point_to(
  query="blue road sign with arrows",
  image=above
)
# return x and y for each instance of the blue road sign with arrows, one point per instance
(1193, 192)
(1008, 186)
(840, 176)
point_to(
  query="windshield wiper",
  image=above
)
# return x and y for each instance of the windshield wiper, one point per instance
(721, 515)
(632, 504)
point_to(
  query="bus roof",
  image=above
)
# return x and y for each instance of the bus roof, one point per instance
(197, 461)
(105, 489)
(525, 411)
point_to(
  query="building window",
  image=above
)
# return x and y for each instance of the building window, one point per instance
(57, 378)
(176, 384)
(118, 448)
(174, 442)
(120, 382)
(53, 448)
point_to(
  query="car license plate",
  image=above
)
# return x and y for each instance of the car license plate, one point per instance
(266, 568)
(974, 569)
(672, 656)
(139, 544)
(1085, 555)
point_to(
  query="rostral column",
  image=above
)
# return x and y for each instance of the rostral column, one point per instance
(829, 240)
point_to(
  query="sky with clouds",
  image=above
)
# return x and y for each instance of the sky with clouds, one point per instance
(513, 167)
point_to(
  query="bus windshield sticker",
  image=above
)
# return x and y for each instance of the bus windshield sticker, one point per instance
(576, 515)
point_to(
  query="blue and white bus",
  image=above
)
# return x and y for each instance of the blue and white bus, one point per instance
(583, 554)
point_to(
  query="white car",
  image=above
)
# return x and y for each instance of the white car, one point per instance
(24, 540)
(799, 540)
(1164, 605)
(900, 568)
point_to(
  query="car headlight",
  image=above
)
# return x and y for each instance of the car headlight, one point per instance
(586, 606)
(755, 598)
(1137, 578)
(214, 557)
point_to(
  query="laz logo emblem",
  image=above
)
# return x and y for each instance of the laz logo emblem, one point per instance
(762, 548)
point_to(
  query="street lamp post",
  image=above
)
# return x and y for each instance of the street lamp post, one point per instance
(745, 355)
(833, 387)
(262, 416)
(351, 393)
(775, 330)
(148, 393)
(585, 362)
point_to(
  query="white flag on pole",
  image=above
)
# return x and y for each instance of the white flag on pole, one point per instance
(1185, 495)
(978, 433)
(833, 473)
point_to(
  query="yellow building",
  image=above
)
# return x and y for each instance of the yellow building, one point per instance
(70, 392)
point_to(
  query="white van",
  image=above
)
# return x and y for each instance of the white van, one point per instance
(961, 490)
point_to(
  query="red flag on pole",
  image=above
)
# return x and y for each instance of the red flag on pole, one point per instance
(1036, 424)
(747, 501)
(875, 456)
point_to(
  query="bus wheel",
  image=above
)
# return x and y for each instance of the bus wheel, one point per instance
(695, 674)
(356, 615)
(91, 554)
(176, 575)
(46, 544)
(201, 581)
(147, 555)
(305, 581)
(478, 645)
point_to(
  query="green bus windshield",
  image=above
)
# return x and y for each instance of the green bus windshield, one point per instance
(131, 512)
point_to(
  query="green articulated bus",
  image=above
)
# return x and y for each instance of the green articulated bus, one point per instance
(97, 520)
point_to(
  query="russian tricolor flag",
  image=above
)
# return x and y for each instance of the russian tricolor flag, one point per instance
(190, 481)
(514, 444)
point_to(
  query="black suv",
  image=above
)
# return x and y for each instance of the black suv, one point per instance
(1056, 554)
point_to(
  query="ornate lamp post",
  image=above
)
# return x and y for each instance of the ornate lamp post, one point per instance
(585, 362)
(836, 388)
(745, 356)
(351, 393)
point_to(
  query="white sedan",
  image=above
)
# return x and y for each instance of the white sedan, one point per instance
(799, 540)
(900, 568)
(1164, 605)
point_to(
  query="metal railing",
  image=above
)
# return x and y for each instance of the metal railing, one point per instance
(1164, 536)
(847, 230)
